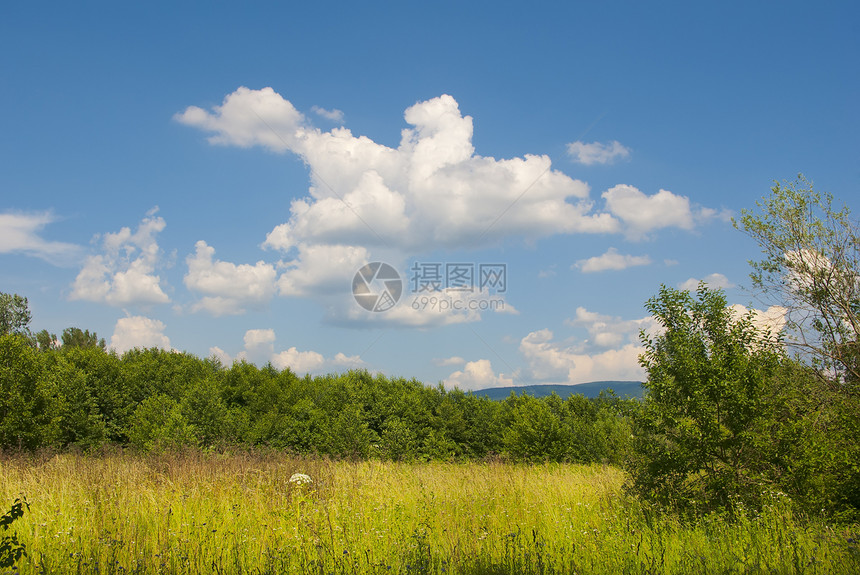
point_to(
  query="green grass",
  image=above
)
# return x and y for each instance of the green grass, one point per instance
(238, 513)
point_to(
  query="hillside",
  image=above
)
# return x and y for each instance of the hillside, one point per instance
(593, 389)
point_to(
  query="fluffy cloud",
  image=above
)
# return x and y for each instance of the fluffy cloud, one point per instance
(611, 260)
(553, 362)
(124, 274)
(714, 281)
(248, 118)
(606, 331)
(138, 331)
(477, 375)
(260, 348)
(612, 348)
(220, 355)
(228, 287)
(597, 153)
(19, 233)
(300, 362)
(643, 214)
(772, 319)
(343, 361)
(322, 270)
(371, 202)
(431, 191)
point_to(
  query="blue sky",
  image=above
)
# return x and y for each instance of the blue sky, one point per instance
(210, 178)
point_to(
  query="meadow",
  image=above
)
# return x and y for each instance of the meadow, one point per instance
(196, 512)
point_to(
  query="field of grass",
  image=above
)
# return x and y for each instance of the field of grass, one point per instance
(239, 513)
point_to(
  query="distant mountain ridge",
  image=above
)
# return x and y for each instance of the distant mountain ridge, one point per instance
(593, 389)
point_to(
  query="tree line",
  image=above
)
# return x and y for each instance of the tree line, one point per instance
(79, 394)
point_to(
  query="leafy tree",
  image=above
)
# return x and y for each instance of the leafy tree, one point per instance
(536, 433)
(811, 267)
(15, 315)
(708, 408)
(398, 440)
(349, 435)
(46, 341)
(204, 408)
(25, 420)
(74, 410)
(111, 395)
(158, 424)
(75, 337)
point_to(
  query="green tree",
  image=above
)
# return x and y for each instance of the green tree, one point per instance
(349, 436)
(536, 433)
(14, 315)
(708, 404)
(398, 440)
(111, 394)
(25, 401)
(46, 341)
(204, 408)
(810, 268)
(158, 424)
(74, 410)
(75, 337)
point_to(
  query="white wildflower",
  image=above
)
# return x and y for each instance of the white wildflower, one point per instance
(300, 478)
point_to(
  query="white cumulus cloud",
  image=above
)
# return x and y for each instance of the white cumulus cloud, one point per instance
(553, 362)
(477, 375)
(605, 331)
(260, 348)
(773, 319)
(431, 191)
(597, 153)
(138, 332)
(300, 362)
(228, 288)
(611, 260)
(322, 269)
(124, 273)
(642, 214)
(248, 118)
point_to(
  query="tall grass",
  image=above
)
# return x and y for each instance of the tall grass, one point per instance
(192, 512)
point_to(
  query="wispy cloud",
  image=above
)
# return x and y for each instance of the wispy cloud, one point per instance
(20, 233)
(334, 115)
(714, 281)
(592, 153)
(611, 260)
